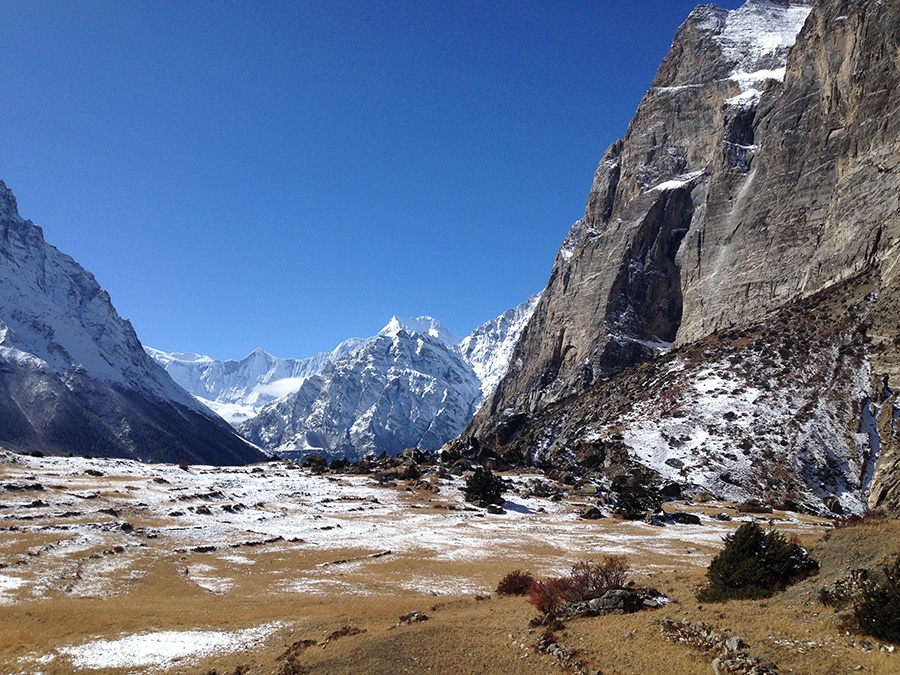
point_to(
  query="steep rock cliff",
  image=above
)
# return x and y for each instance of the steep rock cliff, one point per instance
(757, 176)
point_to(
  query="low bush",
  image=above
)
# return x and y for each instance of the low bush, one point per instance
(878, 612)
(548, 595)
(591, 580)
(755, 564)
(515, 583)
(484, 486)
(586, 580)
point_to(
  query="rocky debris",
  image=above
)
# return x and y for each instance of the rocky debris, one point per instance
(290, 659)
(347, 561)
(23, 487)
(591, 513)
(258, 542)
(411, 618)
(727, 650)
(847, 590)
(345, 631)
(614, 601)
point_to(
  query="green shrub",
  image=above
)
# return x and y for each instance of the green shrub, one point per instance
(878, 612)
(484, 486)
(755, 564)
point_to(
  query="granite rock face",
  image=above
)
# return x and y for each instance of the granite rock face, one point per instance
(760, 173)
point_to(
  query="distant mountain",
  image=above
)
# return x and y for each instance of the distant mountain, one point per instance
(400, 390)
(73, 375)
(489, 347)
(414, 384)
(237, 390)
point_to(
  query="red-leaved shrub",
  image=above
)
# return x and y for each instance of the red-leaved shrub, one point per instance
(515, 583)
(548, 595)
(587, 580)
(591, 580)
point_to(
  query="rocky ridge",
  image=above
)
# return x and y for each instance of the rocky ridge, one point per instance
(757, 180)
(74, 378)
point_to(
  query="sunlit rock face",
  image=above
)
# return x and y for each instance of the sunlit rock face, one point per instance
(759, 179)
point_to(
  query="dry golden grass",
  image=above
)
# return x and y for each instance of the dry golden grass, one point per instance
(81, 588)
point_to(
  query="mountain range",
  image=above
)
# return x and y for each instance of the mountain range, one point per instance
(414, 384)
(725, 315)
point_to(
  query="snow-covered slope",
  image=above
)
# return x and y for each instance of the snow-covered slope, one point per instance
(400, 390)
(73, 375)
(237, 390)
(489, 347)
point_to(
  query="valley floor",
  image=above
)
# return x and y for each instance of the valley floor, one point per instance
(112, 566)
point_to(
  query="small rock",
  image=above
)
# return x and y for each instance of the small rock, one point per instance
(616, 601)
(593, 513)
(683, 518)
(412, 617)
(734, 643)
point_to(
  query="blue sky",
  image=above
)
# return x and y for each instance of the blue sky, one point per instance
(286, 175)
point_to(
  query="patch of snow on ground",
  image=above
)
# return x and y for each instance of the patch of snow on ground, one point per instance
(8, 584)
(163, 649)
(206, 577)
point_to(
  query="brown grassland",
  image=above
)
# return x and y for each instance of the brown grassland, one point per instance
(350, 622)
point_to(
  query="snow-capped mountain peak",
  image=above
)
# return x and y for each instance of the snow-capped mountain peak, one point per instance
(414, 383)
(422, 325)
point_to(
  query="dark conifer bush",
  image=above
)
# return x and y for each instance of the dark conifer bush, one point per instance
(484, 486)
(878, 612)
(637, 503)
(755, 564)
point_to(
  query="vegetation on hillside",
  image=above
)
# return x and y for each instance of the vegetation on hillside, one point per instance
(755, 564)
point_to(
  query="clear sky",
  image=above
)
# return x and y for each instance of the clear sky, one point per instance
(286, 175)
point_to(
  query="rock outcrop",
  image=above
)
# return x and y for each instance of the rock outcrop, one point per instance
(759, 180)
(74, 378)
